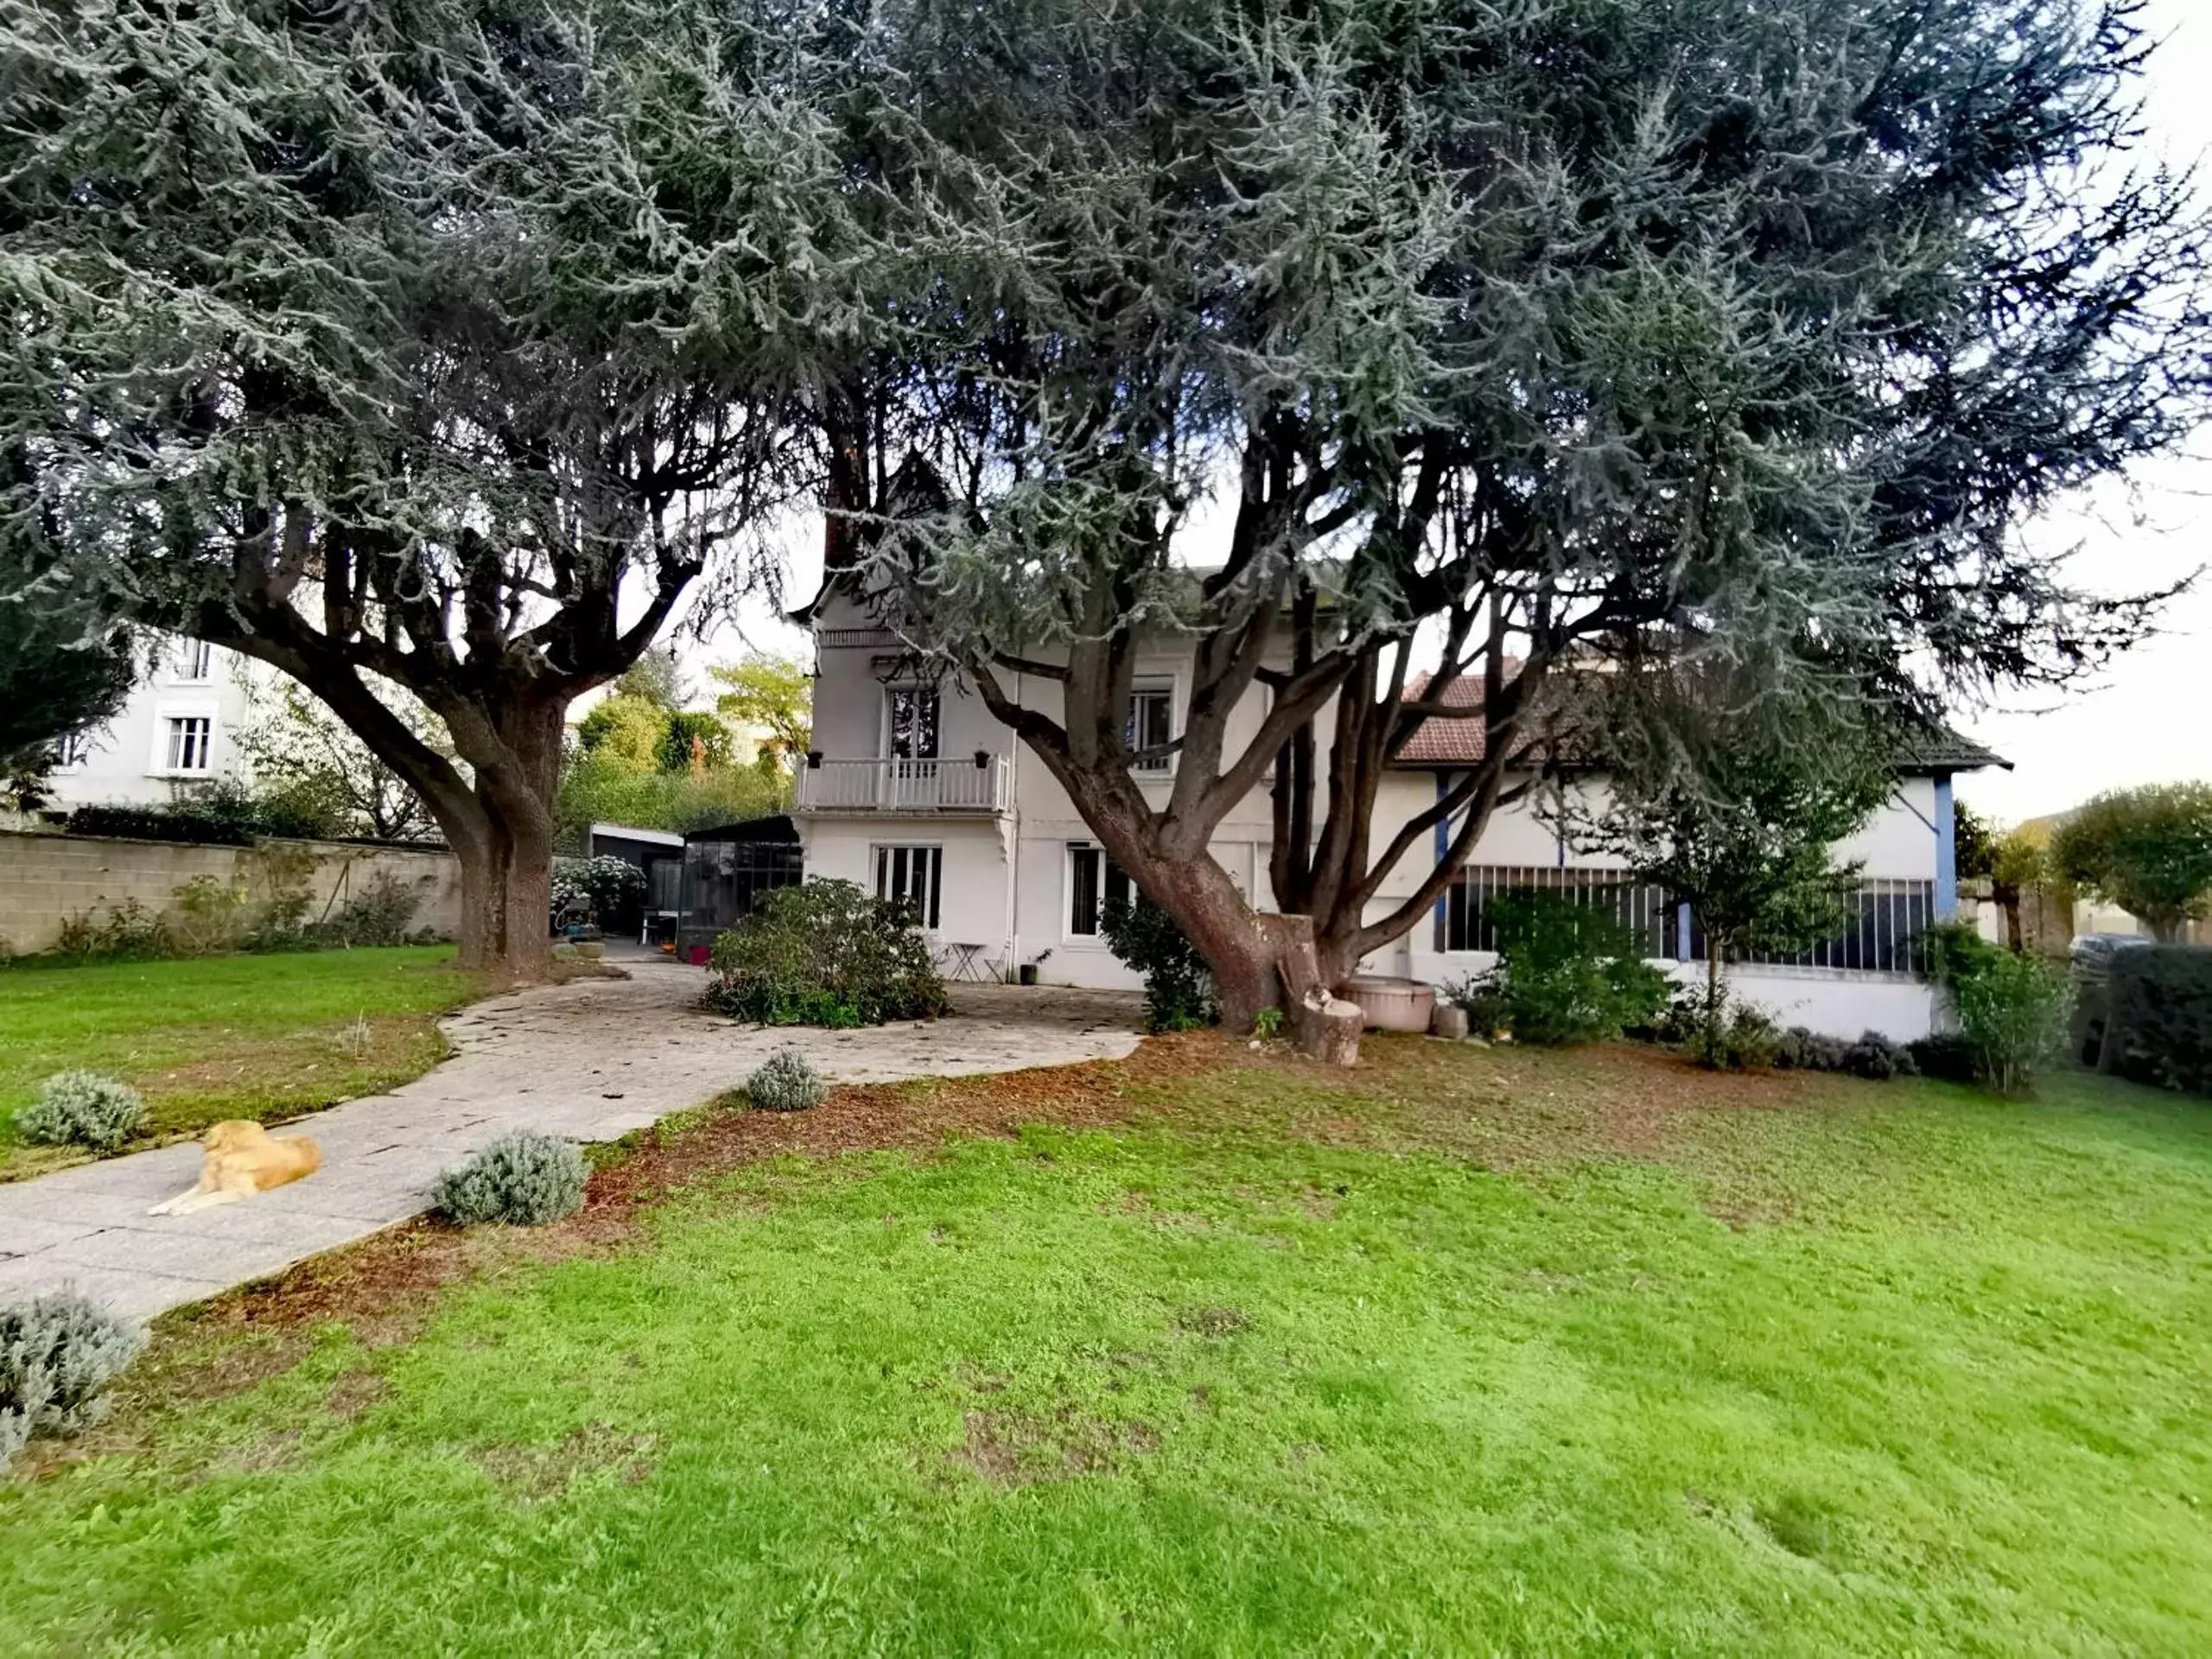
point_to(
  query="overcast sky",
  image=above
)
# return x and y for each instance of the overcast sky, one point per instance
(2149, 719)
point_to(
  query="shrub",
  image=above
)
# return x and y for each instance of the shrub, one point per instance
(1803, 1049)
(128, 932)
(600, 886)
(1568, 973)
(1478, 994)
(153, 823)
(1737, 1036)
(2162, 1001)
(83, 1108)
(2012, 1012)
(57, 1353)
(786, 1082)
(1179, 989)
(375, 912)
(525, 1177)
(1877, 1058)
(825, 953)
(1947, 1055)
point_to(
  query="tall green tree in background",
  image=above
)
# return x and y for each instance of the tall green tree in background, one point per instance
(2147, 850)
(774, 694)
(1567, 334)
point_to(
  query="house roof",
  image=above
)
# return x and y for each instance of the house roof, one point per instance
(1444, 741)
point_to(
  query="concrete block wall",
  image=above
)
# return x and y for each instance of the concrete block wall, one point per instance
(47, 878)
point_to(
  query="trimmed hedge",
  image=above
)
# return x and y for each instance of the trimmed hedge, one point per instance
(2162, 1006)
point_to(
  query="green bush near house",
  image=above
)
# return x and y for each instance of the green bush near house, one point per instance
(825, 953)
(1178, 987)
(523, 1179)
(1567, 972)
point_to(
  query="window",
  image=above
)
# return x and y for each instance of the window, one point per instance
(1094, 881)
(913, 711)
(73, 749)
(914, 874)
(188, 741)
(197, 661)
(1151, 724)
(1463, 920)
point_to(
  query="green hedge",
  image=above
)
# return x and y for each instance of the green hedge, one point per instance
(825, 953)
(2162, 1003)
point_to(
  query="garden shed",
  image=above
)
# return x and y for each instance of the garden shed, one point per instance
(726, 869)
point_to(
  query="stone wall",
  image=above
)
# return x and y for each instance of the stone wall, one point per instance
(47, 878)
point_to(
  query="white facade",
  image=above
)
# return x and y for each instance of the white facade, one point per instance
(180, 727)
(920, 792)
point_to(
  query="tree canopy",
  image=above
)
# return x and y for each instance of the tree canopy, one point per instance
(2147, 850)
(449, 344)
(1704, 332)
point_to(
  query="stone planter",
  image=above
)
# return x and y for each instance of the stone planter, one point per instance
(1450, 1021)
(1390, 1004)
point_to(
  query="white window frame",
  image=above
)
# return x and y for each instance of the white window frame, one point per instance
(880, 869)
(196, 663)
(1094, 939)
(1153, 687)
(73, 751)
(884, 730)
(177, 743)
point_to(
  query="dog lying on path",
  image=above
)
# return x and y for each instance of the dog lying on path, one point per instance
(242, 1159)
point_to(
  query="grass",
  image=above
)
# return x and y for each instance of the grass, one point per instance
(216, 1037)
(1532, 1354)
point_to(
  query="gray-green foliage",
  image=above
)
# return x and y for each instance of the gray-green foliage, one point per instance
(524, 1178)
(84, 1109)
(786, 1082)
(1744, 333)
(406, 346)
(57, 1353)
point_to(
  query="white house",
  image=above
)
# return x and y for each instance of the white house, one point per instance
(179, 727)
(915, 790)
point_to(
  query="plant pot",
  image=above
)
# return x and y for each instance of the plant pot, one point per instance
(1391, 1004)
(1028, 973)
(1449, 1021)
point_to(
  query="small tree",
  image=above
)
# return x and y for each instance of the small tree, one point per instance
(301, 752)
(1741, 831)
(775, 694)
(2147, 850)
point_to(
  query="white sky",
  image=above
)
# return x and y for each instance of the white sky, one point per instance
(2149, 718)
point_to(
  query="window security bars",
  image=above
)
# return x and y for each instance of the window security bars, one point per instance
(1887, 932)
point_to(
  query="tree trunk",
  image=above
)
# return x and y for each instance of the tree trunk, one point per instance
(504, 840)
(1328, 1027)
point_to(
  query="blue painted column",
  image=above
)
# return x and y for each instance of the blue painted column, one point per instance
(1946, 849)
(1443, 851)
(1683, 934)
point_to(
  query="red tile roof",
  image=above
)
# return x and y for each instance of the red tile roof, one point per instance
(1440, 740)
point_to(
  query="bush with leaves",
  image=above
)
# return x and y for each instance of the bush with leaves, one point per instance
(1946, 1056)
(1803, 1049)
(2013, 1012)
(1178, 987)
(1476, 996)
(825, 953)
(524, 1178)
(375, 912)
(786, 1082)
(127, 932)
(1736, 1037)
(600, 886)
(82, 1108)
(57, 1354)
(2162, 1006)
(1568, 972)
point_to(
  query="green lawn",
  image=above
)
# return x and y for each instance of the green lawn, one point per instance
(1798, 1367)
(218, 1037)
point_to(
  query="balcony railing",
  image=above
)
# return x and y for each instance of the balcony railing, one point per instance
(954, 784)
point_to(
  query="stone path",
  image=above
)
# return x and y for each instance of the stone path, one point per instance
(592, 1060)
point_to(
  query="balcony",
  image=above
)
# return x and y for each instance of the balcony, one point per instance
(955, 787)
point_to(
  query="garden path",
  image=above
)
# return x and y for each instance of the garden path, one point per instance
(593, 1059)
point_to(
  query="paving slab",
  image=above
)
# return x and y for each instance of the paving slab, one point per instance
(592, 1060)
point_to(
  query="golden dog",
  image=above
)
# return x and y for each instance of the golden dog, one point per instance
(242, 1159)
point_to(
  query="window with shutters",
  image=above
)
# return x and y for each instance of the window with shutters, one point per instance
(913, 875)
